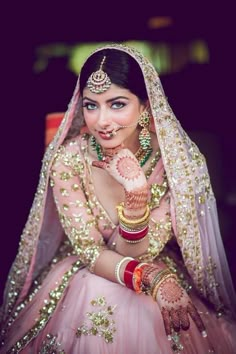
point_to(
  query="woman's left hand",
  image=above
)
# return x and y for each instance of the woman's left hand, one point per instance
(176, 307)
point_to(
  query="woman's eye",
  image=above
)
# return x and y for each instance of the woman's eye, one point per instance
(118, 105)
(89, 106)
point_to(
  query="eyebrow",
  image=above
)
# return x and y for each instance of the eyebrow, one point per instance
(110, 100)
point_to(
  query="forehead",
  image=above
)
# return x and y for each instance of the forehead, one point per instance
(112, 92)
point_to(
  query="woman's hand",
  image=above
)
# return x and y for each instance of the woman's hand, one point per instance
(176, 307)
(123, 166)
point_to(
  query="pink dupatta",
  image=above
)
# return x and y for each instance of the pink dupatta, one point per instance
(193, 205)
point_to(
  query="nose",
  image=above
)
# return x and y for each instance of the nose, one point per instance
(104, 118)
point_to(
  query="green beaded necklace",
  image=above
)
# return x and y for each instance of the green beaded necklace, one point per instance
(141, 155)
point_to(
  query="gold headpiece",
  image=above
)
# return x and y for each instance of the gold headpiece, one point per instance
(99, 81)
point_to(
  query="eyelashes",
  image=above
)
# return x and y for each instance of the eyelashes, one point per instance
(89, 106)
(114, 105)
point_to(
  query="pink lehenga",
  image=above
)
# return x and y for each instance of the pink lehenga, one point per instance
(54, 303)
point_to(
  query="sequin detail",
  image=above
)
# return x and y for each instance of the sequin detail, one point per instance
(79, 227)
(51, 346)
(101, 322)
(47, 311)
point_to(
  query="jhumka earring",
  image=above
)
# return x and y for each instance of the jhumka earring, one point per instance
(144, 136)
(99, 81)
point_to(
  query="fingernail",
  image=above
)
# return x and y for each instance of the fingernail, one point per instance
(169, 337)
(96, 164)
(204, 334)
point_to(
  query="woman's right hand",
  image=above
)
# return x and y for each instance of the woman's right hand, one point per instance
(123, 166)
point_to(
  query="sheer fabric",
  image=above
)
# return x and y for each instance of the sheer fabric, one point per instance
(71, 297)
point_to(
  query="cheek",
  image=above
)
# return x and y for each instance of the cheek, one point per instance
(90, 119)
(126, 118)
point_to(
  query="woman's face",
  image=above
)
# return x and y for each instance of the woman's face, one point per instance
(112, 116)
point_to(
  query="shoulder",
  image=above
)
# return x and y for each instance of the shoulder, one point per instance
(70, 153)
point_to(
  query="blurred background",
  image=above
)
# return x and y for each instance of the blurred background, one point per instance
(42, 49)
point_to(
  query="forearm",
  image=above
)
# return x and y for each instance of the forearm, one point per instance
(106, 267)
(106, 264)
(130, 249)
(136, 202)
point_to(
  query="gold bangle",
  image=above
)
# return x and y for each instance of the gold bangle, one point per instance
(158, 277)
(155, 290)
(133, 241)
(126, 221)
(133, 227)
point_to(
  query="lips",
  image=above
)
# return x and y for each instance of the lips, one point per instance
(105, 135)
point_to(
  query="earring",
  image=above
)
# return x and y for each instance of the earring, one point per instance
(144, 136)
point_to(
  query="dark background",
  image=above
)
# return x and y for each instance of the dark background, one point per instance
(202, 97)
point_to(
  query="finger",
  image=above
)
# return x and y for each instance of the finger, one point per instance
(166, 320)
(175, 319)
(184, 319)
(100, 164)
(196, 318)
(113, 151)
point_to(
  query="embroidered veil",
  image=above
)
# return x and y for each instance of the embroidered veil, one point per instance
(193, 206)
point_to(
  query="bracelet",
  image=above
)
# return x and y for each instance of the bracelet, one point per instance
(158, 277)
(133, 227)
(133, 241)
(128, 274)
(126, 221)
(150, 273)
(137, 278)
(134, 235)
(155, 290)
(117, 269)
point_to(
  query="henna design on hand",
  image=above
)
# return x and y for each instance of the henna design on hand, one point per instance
(175, 320)
(177, 308)
(171, 292)
(128, 168)
(123, 167)
(184, 319)
(166, 320)
(196, 317)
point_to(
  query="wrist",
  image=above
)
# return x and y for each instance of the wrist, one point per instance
(136, 198)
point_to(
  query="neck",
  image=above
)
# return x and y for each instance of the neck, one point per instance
(132, 143)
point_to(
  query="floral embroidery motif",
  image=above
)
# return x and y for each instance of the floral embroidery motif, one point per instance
(160, 232)
(70, 167)
(101, 323)
(50, 346)
(157, 192)
(47, 310)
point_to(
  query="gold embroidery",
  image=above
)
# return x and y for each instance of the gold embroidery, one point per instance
(78, 228)
(51, 346)
(157, 192)
(64, 192)
(159, 234)
(47, 311)
(101, 323)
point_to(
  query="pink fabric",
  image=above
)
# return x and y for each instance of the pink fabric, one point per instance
(139, 327)
(137, 320)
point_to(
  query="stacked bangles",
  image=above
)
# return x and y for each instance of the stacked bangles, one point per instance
(142, 277)
(133, 230)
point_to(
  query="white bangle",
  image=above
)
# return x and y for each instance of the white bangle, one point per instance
(117, 269)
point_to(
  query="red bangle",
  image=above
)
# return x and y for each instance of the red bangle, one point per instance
(128, 274)
(134, 236)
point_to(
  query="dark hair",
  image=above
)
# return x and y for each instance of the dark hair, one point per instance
(122, 69)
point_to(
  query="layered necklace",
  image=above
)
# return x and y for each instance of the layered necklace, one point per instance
(141, 155)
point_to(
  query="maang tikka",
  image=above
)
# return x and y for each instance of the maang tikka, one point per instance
(144, 135)
(99, 81)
